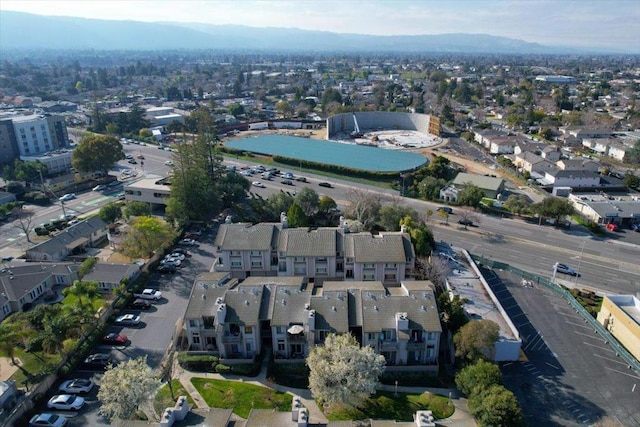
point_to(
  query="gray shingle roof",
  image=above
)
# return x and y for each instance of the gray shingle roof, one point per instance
(110, 273)
(304, 242)
(71, 236)
(386, 247)
(332, 311)
(206, 289)
(289, 306)
(242, 236)
(17, 280)
(243, 305)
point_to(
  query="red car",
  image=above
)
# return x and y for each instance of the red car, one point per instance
(612, 227)
(115, 339)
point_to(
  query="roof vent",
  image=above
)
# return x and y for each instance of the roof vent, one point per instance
(246, 302)
(333, 308)
(375, 308)
(284, 301)
(307, 306)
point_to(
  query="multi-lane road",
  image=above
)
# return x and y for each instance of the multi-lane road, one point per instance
(608, 265)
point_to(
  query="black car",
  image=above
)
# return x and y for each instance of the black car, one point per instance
(140, 304)
(286, 182)
(301, 179)
(446, 209)
(183, 251)
(465, 222)
(164, 268)
(98, 361)
(325, 184)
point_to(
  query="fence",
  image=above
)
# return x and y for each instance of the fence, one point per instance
(597, 327)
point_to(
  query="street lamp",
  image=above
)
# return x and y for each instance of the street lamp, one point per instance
(575, 283)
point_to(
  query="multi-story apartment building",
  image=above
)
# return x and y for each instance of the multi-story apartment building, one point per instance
(31, 136)
(235, 320)
(330, 253)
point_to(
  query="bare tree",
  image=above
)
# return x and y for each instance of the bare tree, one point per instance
(435, 268)
(169, 371)
(25, 221)
(444, 215)
(468, 217)
(363, 206)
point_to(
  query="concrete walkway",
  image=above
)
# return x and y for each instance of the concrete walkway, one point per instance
(460, 418)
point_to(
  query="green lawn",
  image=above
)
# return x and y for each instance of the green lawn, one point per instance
(163, 397)
(240, 397)
(72, 300)
(33, 363)
(385, 406)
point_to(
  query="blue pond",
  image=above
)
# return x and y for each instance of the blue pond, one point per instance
(335, 153)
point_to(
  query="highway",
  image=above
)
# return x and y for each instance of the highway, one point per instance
(607, 265)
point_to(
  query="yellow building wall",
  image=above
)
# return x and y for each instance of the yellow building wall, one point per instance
(621, 326)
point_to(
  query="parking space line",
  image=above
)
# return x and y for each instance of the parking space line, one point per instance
(620, 372)
(604, 347)
(588, 335)
(612, 360)
(578, 324)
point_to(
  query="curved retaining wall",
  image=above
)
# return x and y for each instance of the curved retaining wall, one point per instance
(377, 120)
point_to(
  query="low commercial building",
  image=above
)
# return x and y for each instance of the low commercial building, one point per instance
(620, 314)
(622, 209)
(109, 276)
(71, 241)
(153, 190)
(492, 186)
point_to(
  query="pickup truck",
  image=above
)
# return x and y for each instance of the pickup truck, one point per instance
(149, 294)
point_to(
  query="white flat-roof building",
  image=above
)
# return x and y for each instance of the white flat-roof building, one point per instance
(154, 190)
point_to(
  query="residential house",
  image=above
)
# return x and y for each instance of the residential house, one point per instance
(578, 164)
(604, 208)
(571, 178)
(581, 133)
(551, 153)
(109, 276)
(492, 186)
(8, 395)
(270, 249)
(618, 150)
(533, 163)
(21, 283)
(597, 145)
(71, 241)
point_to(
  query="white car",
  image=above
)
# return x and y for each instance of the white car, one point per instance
(168, 163)
(68, 217)
(127, 319)
(77, 385)
(67, 197)
(258, 184)
(187, 242)
(47, 420)
(171, 262)
(562, 268)
(149, 294)
(287, 175)
(66, 402)
(99, 187)
(177, 255)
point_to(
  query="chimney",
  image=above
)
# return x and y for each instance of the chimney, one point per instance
(343, 225)
(227, 220)
(296, 405)
(283, 220)
(311, 320)
(403, 228)
(402, 322)
(221, 313)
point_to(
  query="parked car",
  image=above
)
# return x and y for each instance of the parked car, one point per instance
(127, 319)
(99, 187)
(76, 385)
(563, 268)
(168, 163)
(98, 361)
(258, 184)
(68, 217)
(140, 304)
(115, 339)
(172, 262)
(164, 268)
(612, 226)
(446, 209)
(67, 197)
(301, 179)
(178, 255)
(465, 222)
(325, 184)
(191, 235)
(47, 420)
(187, 242)
(287, 175)
(128, 156)
(132, 161)
(149, 294)
(178, 250)
(65, 402)
(635, 227)
(140, 156)
(287, 182)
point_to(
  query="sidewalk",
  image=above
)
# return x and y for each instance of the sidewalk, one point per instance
(460, 418)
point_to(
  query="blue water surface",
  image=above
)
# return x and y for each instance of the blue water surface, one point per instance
(335, 153)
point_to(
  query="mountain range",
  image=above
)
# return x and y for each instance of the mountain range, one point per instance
(23, 31)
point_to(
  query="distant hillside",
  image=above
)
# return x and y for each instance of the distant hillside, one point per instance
(27, 31)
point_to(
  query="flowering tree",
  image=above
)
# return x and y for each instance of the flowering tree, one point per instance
(343, 372)
(125, 387)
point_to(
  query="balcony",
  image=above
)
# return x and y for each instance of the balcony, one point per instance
(230, 339)
(388, 345)
(415, 345)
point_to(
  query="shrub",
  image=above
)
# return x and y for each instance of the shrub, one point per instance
(223, 369)
(198, 362)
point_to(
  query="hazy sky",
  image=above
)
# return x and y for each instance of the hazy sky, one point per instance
(613, 24)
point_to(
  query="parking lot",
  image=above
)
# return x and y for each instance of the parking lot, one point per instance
(155, 331)
(571, 376)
